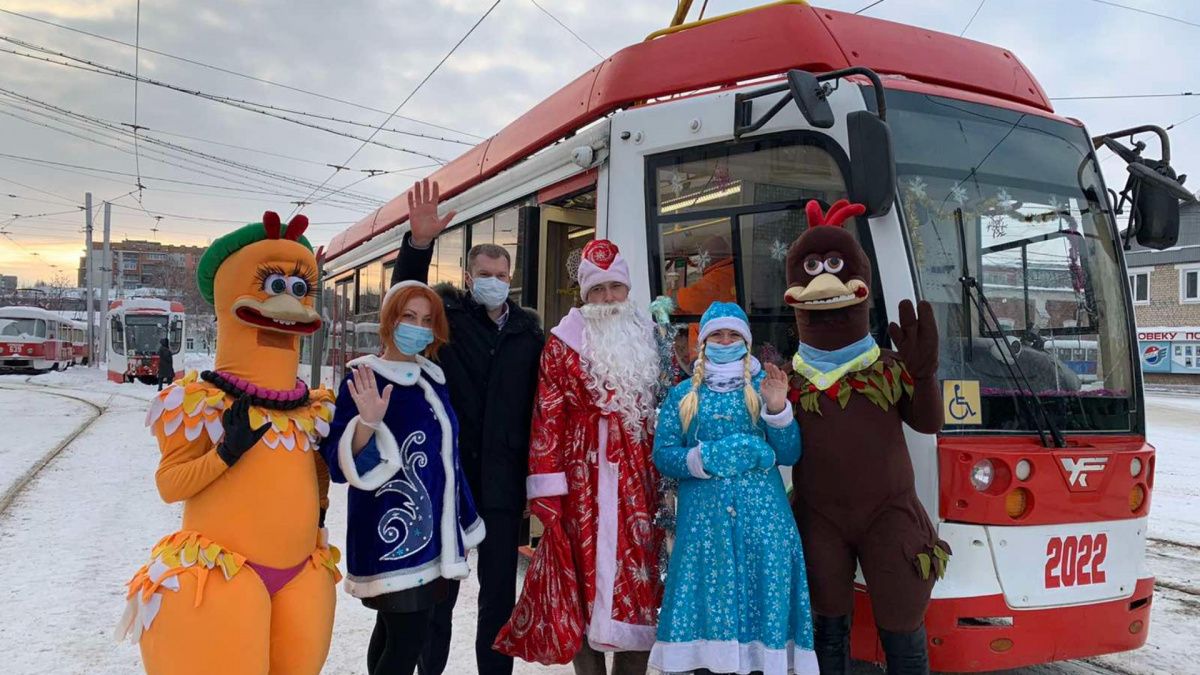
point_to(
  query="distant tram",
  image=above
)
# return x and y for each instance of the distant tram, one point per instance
(34, 340)
(136, 327)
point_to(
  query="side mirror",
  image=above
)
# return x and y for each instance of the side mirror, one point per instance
(1156, 212)
(809, 95)
(873, 177)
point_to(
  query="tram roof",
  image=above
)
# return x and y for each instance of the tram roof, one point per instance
(19, 312)
(766, 41)
(150, 305)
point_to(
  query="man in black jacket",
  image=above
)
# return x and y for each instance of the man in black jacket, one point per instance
(166, 365)
(491, 366)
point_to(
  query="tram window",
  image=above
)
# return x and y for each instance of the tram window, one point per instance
(117, 334)
(508, 235)
(176, 336)
(726, 214)
(370, 280)
(769, 172)
(697, 260)
(450, 255)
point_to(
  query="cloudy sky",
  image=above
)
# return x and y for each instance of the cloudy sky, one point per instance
(370, 54)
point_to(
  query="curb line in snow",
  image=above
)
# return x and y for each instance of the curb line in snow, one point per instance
(19, 484)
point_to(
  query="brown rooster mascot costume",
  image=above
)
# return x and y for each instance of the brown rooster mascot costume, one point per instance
(855, 499)
(247, 585)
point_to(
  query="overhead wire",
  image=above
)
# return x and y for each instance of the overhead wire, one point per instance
(577, 37)
(262, 109)
(235, 73)
(877, 2)
(1139, 10)
(83, 171)
(266, 177)
(972, 19)
(408, 98)
(1122, 96)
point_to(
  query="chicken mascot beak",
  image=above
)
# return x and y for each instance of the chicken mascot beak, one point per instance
(826, 291)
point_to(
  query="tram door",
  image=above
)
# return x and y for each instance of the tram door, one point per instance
(566, 227)
(341, 333)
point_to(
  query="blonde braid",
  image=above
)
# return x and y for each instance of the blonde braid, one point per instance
(691, 402)
(753, 404)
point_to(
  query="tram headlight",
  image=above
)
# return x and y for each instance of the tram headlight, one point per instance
(982, 474)
(1135, 467)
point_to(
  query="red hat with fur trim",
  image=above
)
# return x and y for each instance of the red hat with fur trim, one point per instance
(601, 263)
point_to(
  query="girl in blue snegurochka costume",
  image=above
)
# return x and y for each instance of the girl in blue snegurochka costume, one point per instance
(394, 438)
(736, 599)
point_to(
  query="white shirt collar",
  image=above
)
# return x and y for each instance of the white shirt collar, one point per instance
(403, 373)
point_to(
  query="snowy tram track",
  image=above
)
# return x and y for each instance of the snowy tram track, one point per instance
(11, 492)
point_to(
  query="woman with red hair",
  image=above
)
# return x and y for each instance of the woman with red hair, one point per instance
(394, 439)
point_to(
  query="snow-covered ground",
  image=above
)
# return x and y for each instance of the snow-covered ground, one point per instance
(85, 523)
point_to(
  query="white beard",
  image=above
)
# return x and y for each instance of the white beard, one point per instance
(619, 356)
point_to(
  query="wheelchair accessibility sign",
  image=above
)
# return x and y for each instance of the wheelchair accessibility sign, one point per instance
(960, 400)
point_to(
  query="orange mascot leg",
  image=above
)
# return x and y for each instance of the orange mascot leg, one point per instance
(229, 633)
(302, 623)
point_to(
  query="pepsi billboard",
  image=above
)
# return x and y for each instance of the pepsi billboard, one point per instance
(1156, 357)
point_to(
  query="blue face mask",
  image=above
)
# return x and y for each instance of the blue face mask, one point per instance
(725, 353)
(411, 340)
(489, 291)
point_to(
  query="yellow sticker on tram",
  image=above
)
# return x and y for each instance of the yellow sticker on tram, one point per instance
(960, 402)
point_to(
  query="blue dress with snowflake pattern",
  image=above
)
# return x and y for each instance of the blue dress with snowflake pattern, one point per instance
(736, 598)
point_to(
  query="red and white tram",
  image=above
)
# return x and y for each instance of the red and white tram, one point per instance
(136, 326)
(695, 152)
(79, 346)
(34, 340)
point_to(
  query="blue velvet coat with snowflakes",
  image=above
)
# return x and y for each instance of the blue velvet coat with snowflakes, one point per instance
(736, 598)
(411, 514)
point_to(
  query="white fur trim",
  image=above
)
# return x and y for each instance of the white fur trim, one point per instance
(591, 274)
(781, 419)
(389, 456)
(452, 564)
(726, 322)
(730, 656)
(403, 284)
(403, 373)
(545, 485)
(474, 534)
(402, 580)
(604, 633)
(695, 463)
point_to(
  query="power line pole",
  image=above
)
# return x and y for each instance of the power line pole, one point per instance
(91, 316)
(105, 278)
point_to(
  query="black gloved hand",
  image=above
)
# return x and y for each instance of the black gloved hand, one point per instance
(239, 437)
(321, 518)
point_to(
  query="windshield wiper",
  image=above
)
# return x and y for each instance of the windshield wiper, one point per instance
(1000, 337)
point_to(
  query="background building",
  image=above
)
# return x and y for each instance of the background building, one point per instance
(1166, 297)
(150, 268)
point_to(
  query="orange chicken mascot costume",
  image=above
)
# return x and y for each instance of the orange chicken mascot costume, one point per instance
(246, 587)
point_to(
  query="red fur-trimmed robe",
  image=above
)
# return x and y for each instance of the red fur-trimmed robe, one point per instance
(611, 493)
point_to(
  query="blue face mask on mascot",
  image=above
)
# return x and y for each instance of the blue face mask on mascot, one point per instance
(725, 353)
(411, 340)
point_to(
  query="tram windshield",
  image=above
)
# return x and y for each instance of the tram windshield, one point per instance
(143, 333)
(22, 328)
(1022, 196)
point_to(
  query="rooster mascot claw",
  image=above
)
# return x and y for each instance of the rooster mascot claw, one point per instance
(856, 504)
(246, 586)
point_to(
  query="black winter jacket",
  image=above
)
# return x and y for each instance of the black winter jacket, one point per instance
(166, 365)
(492, 376)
